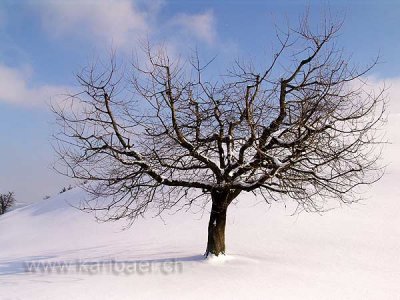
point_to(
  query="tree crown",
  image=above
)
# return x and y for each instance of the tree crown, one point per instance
(306, 131)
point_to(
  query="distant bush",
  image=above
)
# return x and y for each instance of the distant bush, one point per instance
(6, 202)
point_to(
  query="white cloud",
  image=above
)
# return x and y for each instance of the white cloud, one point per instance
(391, 156)
(116, 22)
(121, 23)
(15, 88)
(201, 26)
(392, 93)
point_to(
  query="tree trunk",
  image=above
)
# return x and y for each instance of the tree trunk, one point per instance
(216, 230)
(216, 225)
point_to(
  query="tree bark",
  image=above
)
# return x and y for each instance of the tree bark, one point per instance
(216, 225)
(216, 231)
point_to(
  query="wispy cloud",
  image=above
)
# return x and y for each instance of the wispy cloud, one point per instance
(391, 88)
(393, 93)
(121, 23)
(15, 88)
(116, 22)
(202, 26)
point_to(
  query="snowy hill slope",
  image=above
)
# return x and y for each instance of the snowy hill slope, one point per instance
(347, 253)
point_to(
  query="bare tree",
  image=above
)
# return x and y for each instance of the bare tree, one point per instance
(302, 128)
(6, 202)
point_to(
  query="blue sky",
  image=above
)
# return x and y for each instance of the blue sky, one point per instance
(44, 43)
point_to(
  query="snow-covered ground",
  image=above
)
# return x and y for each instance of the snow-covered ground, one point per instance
(348, 253)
